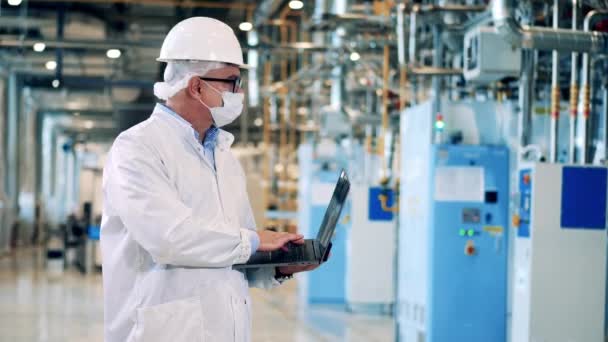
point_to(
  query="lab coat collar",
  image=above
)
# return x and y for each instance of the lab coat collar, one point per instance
(185, 130)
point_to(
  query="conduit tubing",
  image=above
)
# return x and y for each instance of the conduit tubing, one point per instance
(573, 89)
(555, 93)
(590, 19)
(542, 38)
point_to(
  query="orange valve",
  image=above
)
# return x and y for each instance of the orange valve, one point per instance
(516, 220)
(526, 178)
(469, 248)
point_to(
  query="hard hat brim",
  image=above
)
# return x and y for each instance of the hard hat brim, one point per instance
(166, 60)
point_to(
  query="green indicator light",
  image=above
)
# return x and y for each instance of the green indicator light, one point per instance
(439, 124)
(471, 232)
(462, 232)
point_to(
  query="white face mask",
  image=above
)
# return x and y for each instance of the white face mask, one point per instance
(232, 108)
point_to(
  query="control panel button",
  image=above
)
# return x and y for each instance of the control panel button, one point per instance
(469, 248)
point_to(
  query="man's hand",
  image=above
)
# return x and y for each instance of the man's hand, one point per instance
(272, 241)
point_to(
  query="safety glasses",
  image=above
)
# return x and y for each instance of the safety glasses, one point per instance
(234, 82)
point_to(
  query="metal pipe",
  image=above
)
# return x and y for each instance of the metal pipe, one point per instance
(59, 51)
(573, 89)
(434, 71)
(401, 53)
(555, 93)
(12, 154)
(605, 119)
(385, 102)
(542, 38)
(176, 3)
(412, 52)
(526, 99)
(437, 63)
(400, 31)
(590, 20)
(81, 44)
(447, 8)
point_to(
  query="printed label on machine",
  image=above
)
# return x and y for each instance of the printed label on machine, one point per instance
(459, 184)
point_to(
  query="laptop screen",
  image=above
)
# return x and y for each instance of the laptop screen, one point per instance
(332, 214)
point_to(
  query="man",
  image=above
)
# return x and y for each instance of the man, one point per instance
(176, 213)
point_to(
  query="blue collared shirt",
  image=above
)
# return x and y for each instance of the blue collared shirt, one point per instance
(209, 141)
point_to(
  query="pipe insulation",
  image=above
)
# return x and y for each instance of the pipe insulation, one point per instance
(543, 38)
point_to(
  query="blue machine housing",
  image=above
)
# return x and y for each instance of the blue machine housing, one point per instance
(327, 284)
(468, 293)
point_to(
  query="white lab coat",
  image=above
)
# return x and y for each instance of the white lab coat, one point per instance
(172, 228)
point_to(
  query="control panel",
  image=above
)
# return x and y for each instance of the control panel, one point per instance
(525, 204)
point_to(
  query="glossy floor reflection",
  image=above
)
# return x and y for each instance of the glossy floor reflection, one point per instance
(35, 306)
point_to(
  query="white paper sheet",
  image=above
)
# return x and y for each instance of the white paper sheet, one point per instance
(459, 184)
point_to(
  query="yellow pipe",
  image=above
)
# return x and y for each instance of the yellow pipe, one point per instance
(384, 206)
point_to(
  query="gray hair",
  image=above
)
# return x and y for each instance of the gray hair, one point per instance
(178, 73)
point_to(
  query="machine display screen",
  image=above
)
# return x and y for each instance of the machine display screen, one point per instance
(471, 215)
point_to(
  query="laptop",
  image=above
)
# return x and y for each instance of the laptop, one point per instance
(313, 251)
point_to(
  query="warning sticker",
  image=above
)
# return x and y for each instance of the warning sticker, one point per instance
(493, 230)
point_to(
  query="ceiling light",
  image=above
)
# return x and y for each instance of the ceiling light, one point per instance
(51, 65)
(14, 2)
(296, 4)
(355, 56)
(89, 124)
(258, 122)
(113, 53)
(56, 83)
(76, 114)
(245, 26)
(39, 47)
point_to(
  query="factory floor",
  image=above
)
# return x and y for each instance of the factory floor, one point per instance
(35, 306)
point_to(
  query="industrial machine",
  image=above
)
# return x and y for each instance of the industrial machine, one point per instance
(318, 177)
(453, 237)
(560, 254)
(371, 250)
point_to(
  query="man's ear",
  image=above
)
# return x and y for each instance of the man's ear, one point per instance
(194, 86)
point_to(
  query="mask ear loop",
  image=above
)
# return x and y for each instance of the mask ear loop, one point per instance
(217, 91)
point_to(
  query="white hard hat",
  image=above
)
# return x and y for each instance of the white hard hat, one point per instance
(202, 39)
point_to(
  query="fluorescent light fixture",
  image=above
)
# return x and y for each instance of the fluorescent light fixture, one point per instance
(355, 56)
(113, 53)
(51, 65)
(296, 4)
(14, 2)
(245, 26)
(39, 47)
(56, 83)
(89, 124)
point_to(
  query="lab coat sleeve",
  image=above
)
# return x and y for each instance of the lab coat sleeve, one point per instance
(262, 277)
(137, 186)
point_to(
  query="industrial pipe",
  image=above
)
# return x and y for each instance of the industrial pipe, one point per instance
(176, 3)
(447, 8)
(526, 98)
(573, 88)
(555, 93)
(385, 103)
(605, 118)
(542, 38)
(590, 20)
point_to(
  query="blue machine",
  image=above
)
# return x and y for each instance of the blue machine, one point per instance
(452, 240)
(325, 285)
